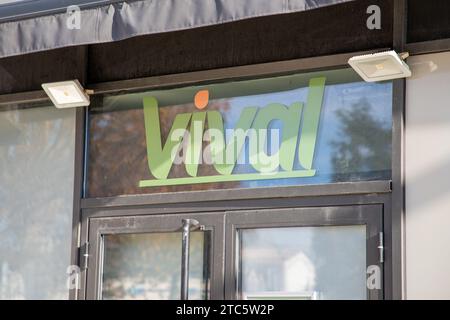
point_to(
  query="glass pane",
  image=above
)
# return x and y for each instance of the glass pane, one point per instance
(300, 129)
(148, 266)
(303, 263)
(36, 190)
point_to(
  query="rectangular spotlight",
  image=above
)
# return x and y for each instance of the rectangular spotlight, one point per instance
(67, 94)
(380, 66)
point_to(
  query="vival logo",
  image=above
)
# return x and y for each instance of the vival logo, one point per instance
(252, 125)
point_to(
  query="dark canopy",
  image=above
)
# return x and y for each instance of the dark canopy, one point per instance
(37, 25)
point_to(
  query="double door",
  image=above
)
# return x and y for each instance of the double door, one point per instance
(330, 252)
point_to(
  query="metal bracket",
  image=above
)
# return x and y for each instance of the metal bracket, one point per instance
(381, 246)
(403, 55)
(84, 256)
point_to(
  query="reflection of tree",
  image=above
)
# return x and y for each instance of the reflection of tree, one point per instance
(118, 156)
(363, 146)
(148, 266)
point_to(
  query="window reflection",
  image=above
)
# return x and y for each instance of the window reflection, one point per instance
(353, 140)
(303, 263)
(148, 266)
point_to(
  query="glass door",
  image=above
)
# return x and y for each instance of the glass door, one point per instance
(146, 258)
(321, 252)
(305, 253)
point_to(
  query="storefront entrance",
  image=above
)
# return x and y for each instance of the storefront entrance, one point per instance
(318, 252)
(285, 180)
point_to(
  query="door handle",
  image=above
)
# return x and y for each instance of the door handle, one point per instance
(188, 225)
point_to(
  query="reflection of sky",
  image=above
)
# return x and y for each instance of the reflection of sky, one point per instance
(336, 97)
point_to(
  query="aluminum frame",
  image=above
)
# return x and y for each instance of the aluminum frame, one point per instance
(369, 215)
(213, 223)
(222, 208)
(223, 224)
(395, 230)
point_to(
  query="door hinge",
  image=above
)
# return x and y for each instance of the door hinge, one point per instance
(381, 246)
(84, 256)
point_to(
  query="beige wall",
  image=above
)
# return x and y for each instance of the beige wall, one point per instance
(427, 157)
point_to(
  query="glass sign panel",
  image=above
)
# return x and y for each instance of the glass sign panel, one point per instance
(313, 128)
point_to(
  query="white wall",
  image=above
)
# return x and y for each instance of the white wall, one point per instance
(428, 178)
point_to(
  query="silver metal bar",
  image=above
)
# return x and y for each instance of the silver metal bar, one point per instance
(185, 260)
(381, 247)
(187, 224)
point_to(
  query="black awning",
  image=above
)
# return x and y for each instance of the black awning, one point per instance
(28, 26)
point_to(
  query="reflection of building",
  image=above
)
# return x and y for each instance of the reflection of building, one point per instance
(272, 273)
(299, 274)
(373, 189)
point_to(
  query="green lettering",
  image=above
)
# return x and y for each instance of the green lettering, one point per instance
(224, 158)
(194, 148)
(286, 153)
(224, 154)
(310, 125)
(160, 159)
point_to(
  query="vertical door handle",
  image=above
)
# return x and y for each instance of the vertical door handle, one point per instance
(188, 225)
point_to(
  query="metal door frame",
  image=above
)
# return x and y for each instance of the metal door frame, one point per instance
(369, 215)
(98, 227)
(232, 214)
(189, 208)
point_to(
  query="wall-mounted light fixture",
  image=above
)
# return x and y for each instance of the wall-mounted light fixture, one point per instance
(381, 66)
(67, 94)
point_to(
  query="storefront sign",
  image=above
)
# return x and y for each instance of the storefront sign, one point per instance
(199, 137)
